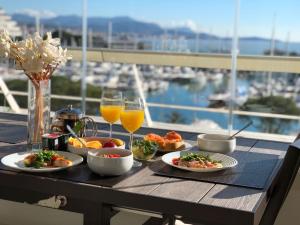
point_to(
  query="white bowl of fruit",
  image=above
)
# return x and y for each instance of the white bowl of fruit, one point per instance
(96, 143)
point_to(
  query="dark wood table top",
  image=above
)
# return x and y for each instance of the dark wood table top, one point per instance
(205, 202)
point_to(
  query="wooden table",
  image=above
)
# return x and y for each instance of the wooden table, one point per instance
(203, 202)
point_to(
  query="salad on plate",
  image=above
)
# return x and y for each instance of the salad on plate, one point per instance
(194, 160)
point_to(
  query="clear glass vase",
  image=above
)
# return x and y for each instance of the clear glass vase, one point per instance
(39, 99)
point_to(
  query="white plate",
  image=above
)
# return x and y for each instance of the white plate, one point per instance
(187, 146)
(15, 161)
(227, 161)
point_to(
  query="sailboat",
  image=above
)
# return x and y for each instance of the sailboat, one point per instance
(241, 96)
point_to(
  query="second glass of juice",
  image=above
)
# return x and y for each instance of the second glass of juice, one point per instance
(132, 118)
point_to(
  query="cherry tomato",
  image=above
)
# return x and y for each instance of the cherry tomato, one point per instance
(55, 157)
(209, 164)
(111, 155)
(175, 161)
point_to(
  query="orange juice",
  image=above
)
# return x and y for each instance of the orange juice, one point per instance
(111, 113)
(132, 120)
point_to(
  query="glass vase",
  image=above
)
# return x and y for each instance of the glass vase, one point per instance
(39, 99)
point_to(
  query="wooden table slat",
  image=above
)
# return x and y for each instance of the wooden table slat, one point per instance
(232, 197)
(142, 182)
(185, 190)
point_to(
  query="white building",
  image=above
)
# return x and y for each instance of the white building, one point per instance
(8, 24)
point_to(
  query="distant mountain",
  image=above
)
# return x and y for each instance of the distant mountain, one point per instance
(260, 39)
(121, 24)
(255, 39)
(23, 19)
(71, 21)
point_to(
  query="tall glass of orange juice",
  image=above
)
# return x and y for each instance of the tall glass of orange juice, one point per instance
(132, 117)
(111, 107)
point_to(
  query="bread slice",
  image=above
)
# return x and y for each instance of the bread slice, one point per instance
(171, 146)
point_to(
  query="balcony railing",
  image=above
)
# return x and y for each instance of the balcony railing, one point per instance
(283, 64)
(172, 106)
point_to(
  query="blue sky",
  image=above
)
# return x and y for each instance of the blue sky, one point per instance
(214, 16)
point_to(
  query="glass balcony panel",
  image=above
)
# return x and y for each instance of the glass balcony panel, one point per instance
(191, 27)
(272, 103)
(175, 93)
(182, 100)
(273, 29)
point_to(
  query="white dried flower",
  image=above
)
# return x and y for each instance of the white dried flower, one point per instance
(35, 55)
(4, 44)
(53, 54)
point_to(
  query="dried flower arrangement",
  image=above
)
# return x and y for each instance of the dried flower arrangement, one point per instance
(38, 58)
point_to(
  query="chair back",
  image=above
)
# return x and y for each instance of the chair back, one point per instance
(284, 182)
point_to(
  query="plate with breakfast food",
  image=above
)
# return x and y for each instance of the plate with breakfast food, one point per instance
(170, 142)
(76, 147)
(41, 161)
(196, 161)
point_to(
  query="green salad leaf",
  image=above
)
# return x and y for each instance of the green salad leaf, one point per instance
(198, 157)
(41, 158)
(148, 147)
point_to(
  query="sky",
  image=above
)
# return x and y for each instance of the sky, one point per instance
(215, 16)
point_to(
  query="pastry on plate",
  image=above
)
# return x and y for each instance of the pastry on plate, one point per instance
(172, 141)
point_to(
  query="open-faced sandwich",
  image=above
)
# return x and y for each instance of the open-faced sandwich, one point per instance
(172, 141)
(46, 159)
(194, 160)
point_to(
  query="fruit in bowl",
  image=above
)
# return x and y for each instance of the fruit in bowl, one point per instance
(144, 149)
(92, 144)
(109, 144)
(97, 143)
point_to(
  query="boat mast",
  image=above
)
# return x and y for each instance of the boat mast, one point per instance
(37, 23)
(287, 43)
(197, 39)
(109, 33)
(91, 44)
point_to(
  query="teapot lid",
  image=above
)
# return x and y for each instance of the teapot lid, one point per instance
(68, 113)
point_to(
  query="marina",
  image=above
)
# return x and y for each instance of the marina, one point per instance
(185, 86)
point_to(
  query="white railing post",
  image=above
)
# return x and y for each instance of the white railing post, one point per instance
(84, 58)
(9, 97)
(234, 55)
(141, 93)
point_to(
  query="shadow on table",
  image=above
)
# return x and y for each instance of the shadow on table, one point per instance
(13, 134)
(83, 174)
(252, 171)
(234, 192)
(80, 173)
(150, 184)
